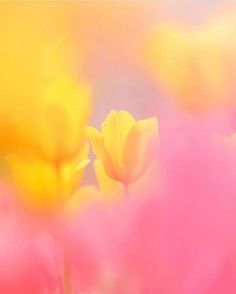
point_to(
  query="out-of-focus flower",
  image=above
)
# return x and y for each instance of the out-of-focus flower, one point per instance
(181, 242)
(60, 121)
(196, 66)
(124, 146)
(44, 185)
(29, 257)
(44, 103)
(112, 250)
(198, 211)
(28, 262)
(51, 127)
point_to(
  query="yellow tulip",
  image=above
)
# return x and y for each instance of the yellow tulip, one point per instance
(108, 187)
(51, 156)
(60, 121)
(43, 185)
(52, 127)
(123, 146)
(113, 190)
(195, 66)
(44, 105)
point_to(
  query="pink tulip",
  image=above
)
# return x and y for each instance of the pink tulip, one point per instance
(28, 257)
(180, 241)
(199, 210)
(107, 250)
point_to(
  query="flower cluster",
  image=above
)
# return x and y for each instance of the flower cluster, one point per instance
(140, 203)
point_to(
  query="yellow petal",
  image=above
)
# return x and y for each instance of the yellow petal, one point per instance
(114, 131)
(196, 67)
(168, 56)
(137, 151)
(97, 142)
(71, 172)
(101, 153)
(34, 63)
(61, 122)
(106, 184)
(37, 181)
(44, 185)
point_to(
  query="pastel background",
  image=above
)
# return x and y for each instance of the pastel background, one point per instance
(117, 147)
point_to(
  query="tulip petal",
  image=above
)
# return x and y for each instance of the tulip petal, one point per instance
(65, 109)
(36, 179)
(137, 155)
(98, 146)
(115, 130)
(71, 173)
(106, 184)
(196, 66)
(97, 142)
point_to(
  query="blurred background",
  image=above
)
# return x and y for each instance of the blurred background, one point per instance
(138, 56)
(107, 39)
(116, 34)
